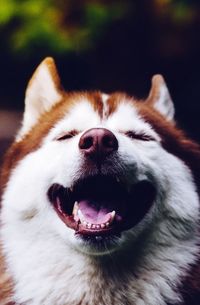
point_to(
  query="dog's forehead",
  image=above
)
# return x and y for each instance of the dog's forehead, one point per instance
(99, 107)
(116, 111)
(98, 103)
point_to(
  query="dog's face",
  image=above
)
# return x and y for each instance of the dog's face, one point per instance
(93, 170)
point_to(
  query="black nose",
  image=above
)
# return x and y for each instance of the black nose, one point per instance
(98, 143)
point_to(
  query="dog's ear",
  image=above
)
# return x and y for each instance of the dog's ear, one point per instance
(160, 99)
(43, 91)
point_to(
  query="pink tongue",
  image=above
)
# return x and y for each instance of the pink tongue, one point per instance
(92, 214)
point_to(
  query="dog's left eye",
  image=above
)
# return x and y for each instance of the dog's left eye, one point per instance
(67, 135)
(139, 136)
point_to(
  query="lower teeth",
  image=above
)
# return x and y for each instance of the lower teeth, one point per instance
(79, 217)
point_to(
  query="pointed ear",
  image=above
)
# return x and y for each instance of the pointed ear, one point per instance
(43, 91)
(160, 99)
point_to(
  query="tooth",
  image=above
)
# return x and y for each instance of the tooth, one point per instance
(81, 216)
(75, 209)
(71, 188)
(112, 216)
(77, 212)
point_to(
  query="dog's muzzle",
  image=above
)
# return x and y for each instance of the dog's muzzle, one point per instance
(100, 204)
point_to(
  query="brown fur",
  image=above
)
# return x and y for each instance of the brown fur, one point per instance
(6, 286)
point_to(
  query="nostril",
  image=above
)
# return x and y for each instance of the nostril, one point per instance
(110, 141)
(86, 142)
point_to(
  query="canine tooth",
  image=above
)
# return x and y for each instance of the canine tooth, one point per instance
(84, 223)
(112, 216)
(107, 224)
(75, 208)
(88, 225)
(82, 219)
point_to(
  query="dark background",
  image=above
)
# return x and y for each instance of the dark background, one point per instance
(106, 45)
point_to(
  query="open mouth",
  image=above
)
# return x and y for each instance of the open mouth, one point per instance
(102, 205)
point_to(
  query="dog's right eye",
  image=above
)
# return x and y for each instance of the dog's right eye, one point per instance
(67, 135)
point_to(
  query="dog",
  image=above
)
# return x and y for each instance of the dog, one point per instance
(100, 202)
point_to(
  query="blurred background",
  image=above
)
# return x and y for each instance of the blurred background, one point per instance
(103, 44)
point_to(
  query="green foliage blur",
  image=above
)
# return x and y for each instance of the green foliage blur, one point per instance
(58, 25)
(62, 26)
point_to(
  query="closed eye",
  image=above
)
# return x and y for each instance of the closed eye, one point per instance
(139, 136)
(67, 135)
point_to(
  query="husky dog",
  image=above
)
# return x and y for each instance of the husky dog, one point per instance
(100, 201)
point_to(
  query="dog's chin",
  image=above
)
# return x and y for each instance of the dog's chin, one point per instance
(97, 245)
(100, 208)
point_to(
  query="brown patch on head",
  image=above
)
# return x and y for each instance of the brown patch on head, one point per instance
(173, 139)
(112, 103)
(95, 98)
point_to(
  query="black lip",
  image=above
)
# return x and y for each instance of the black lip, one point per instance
(132, 205)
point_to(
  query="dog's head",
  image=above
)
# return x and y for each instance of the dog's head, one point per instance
(97, 170)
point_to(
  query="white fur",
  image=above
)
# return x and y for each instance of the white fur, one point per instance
(126, 119)
(41, 95)
(105, 105)
(51, 266)
(81, 117)
(164, 102)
